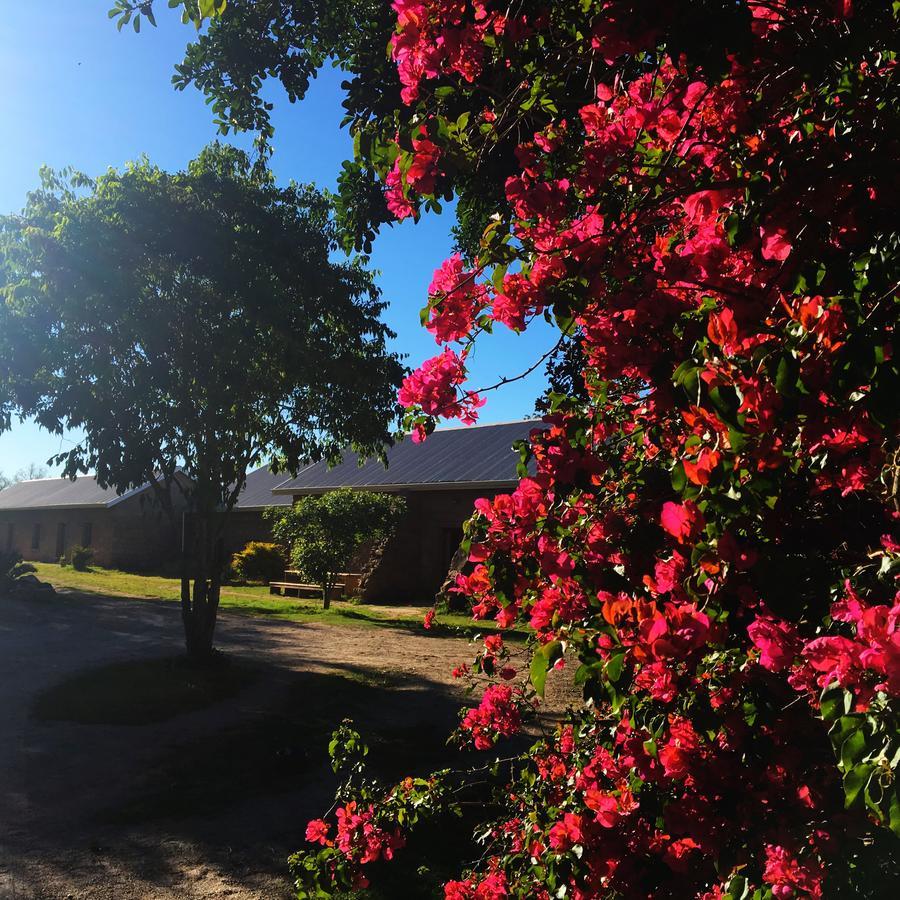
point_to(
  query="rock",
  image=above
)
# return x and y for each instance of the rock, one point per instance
(30, 586)
(445, 596)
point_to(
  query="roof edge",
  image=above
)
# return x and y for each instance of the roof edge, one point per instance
(389, 488)
(18, 509)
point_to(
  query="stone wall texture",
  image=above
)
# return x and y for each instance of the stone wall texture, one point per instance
(135, 535)
(414, 564)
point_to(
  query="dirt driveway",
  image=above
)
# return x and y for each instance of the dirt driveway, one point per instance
(86, 810)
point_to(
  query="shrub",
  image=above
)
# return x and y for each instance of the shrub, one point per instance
(80, 558)
(258, 561)
(12, 569)
(698, 191)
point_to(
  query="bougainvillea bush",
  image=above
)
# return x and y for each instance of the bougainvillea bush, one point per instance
(702, 193)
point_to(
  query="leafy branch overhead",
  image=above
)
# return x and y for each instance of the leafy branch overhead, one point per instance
(132, 12)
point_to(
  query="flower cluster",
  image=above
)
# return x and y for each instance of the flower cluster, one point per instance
(456, 300)
(433, 388)
(866, 662)
(497, 715)
(357, 836)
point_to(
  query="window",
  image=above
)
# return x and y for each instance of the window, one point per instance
(10, 535)
(87, 534)
(36, 536)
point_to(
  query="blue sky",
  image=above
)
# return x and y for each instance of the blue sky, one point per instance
(77, 92)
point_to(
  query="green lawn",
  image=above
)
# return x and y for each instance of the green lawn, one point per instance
(249, 601)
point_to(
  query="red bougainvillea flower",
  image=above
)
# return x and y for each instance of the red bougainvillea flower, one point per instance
(457, 299)
(778, 643)
(775, 245)
(433, 388)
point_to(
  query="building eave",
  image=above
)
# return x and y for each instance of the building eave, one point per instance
(53, 506)
(396, 488)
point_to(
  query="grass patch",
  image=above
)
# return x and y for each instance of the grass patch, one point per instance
(257, 601)
(141, 692)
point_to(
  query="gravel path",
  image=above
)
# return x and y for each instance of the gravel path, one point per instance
(57, 778)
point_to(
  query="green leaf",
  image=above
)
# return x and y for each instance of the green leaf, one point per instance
(833, 702)
(855, 780)
(786, 374)
(539, 666)
(853, 750)
(893, 815)
(614, 667)
(737, 888)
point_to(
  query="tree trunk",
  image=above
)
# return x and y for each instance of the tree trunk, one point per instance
(198, 612)
(187, 548)
(326, 596)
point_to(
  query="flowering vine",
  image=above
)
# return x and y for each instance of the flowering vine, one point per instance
(711, 538)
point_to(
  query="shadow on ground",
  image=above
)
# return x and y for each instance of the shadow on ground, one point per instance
(208, 803)
(286, 747)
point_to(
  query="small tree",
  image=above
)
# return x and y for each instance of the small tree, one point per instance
(324, 533)
(190, 323)
(29, 473)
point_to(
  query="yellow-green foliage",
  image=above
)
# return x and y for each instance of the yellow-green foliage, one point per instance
(258, 562)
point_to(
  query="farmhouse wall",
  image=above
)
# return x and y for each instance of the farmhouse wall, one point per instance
(416, 560)
(242, 527)
(134, 535)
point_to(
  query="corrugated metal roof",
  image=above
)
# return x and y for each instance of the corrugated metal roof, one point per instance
(480, 455)
(257, 492)
(51, 493)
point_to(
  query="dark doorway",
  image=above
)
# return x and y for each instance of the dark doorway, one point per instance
(451, 539)
(61, 539)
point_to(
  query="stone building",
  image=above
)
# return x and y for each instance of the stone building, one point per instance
(440, 480)
(43, 519)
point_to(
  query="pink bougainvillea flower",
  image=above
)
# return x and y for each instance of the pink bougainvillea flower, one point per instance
(778, 642)
(775, 245)
(683, 521)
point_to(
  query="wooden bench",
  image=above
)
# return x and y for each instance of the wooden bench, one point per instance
(292, 588)
(346, 580)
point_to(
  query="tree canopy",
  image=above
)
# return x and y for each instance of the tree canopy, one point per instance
(191, 322)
